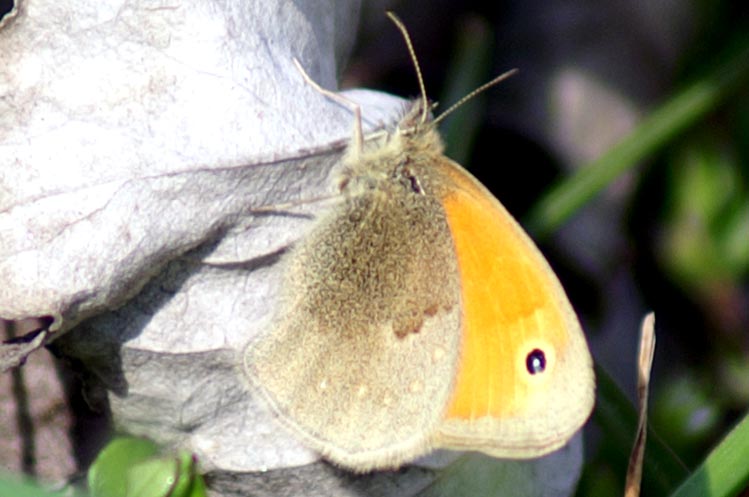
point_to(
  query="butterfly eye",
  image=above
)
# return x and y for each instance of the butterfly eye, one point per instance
(416, 185)
(535, 362)
(407, 177)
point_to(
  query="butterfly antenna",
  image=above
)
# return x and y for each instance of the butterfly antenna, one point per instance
(475, 92)
(424, 101)
(355, 108)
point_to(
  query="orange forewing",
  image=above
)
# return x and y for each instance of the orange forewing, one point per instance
(503, 285)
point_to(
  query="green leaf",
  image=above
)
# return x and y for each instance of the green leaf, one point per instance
(107, 476)
(725, 471)
(132, 467)
(163, 477)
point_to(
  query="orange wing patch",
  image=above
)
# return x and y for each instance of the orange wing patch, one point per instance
(508, 304)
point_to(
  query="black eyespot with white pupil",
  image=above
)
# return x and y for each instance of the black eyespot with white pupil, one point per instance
(535, 362)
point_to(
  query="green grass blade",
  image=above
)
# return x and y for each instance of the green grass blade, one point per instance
(469, 69)
(667, 121)
(617, 418)
(725, 472)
